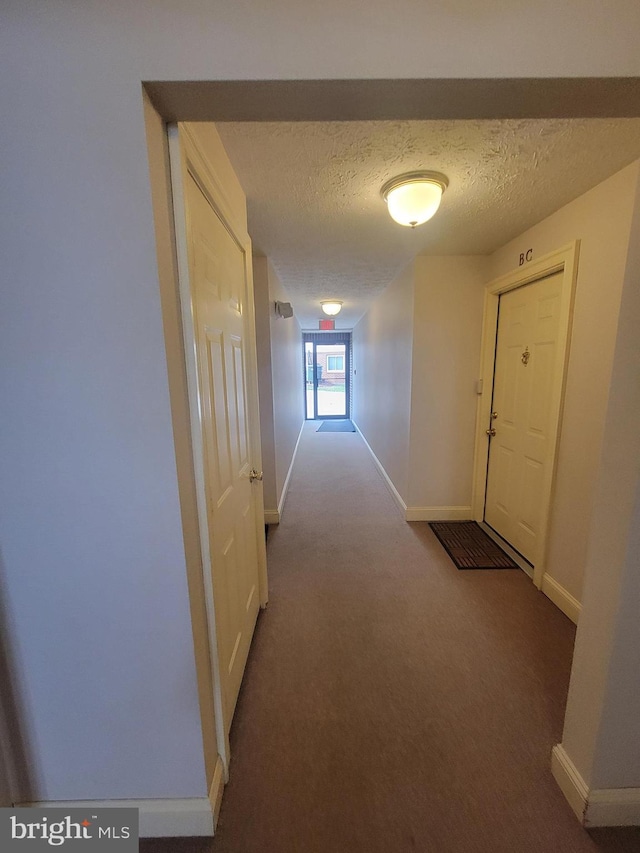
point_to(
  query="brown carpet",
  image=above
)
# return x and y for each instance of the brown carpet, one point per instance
(392, 703)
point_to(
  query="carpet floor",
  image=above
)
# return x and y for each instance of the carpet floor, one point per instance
(336, 426)
(392, 703)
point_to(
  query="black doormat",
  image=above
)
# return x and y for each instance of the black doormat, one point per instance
(336, 426)
(469, 546)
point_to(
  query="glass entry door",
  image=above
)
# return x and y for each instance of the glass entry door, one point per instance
(326, 361)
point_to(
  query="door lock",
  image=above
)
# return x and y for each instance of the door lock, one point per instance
(490, 432)
(255, 475)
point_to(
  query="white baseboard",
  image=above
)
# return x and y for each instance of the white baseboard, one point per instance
(271, 516)
(569, 605)
(158, 818)
(438, 513)
(613, 807)
(569, 780)
(604, 807)
(285, 488)
(394, 492)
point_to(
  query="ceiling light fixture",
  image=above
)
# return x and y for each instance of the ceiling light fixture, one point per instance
(413, 198)
(331, 306)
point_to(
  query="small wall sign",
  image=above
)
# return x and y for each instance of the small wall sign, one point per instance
(525, 257)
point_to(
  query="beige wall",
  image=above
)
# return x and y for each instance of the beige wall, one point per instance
(382, 352)
(280, 378)
(448, 300)
(601, 220)
(288, 387)
(602, 727)
(265, 385)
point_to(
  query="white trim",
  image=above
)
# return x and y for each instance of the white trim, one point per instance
(569, 605)
(613, 807)
(216, 791)
(562, 260)
(604, 807)
(394, 492)
(271, 516)
(569, 780)
(285, 488)
(438, 513)
(158, 818)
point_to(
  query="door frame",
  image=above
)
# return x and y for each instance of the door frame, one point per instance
(564, 260)
(332, 338)
(186, 158)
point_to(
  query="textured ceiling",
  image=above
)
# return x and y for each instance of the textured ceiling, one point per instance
(313, 191)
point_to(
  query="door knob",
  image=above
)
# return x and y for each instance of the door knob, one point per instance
(491, 431)
(255, 475)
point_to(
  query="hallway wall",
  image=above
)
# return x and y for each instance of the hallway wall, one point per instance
(281, 390)
(601, 220)
(602, 726)
(382, 354)
(417, 353)
(265, 384)
(449, 293)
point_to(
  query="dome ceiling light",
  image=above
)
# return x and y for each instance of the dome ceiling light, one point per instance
(413, 198)
(331, 306)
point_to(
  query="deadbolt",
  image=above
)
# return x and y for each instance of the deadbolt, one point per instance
(494, 415)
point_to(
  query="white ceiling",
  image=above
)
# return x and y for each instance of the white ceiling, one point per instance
(313, 192)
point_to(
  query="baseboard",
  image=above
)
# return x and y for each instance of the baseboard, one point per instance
(438, 513)
(285, 488)
(217, 789)
(613, 807)
(271, 516)
(158, 818)
(569, 605)
(604, 807)
(570, 781)
(394, 492)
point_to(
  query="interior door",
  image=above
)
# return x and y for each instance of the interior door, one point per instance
(218, 282)
(522, 450)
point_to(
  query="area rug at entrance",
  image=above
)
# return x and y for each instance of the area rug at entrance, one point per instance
(336, 426)
(469, 546)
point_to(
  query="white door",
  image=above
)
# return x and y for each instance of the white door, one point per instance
(521, 454)
(219, 319)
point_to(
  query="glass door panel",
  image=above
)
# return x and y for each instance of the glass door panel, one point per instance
(309, 384)
(331, 367)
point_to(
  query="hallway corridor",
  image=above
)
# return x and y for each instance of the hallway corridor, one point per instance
(392, 703)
